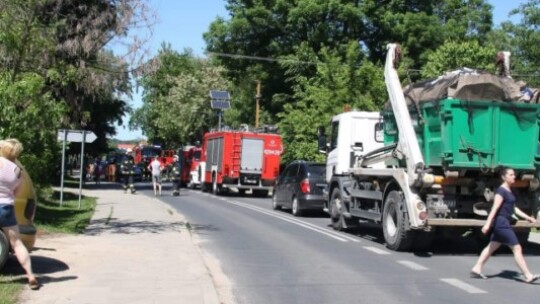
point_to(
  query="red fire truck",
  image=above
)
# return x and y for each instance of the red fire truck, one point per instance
(144, 154)
(240, 159)
(191, 171)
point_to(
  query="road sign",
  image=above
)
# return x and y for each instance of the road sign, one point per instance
(220, 100)
(76, 136)
(220, 104)
(221, 95)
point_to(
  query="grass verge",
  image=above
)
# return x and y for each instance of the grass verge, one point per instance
(51, 218)
(68, 218)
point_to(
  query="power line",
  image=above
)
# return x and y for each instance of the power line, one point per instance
(258, 58)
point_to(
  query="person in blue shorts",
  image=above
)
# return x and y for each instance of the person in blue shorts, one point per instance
(10, 179)
(502, 233)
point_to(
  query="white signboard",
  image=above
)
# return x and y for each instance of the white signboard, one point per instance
(76, 136)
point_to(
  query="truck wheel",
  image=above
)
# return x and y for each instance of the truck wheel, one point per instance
(4, 249)
(394, 222)
(275, 204)
(336, 211)
(296, 211)
(216, 189)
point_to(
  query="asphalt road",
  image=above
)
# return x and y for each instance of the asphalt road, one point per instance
(272, 257)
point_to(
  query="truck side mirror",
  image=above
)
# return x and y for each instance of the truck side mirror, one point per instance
(321, 140)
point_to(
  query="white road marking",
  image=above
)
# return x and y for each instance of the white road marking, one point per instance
(319, 230)
(462, 285)
(413, 265)
(376, 250)
(326, 230)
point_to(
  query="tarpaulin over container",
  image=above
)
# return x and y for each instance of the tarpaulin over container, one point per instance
(465, 84)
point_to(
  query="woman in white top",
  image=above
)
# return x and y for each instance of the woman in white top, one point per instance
(10, 175)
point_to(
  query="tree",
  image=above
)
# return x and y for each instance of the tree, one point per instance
(453, 55)
(337, 83)
(176, 106)
(54, 72)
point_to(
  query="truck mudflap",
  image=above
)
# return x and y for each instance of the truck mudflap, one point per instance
(474, 223)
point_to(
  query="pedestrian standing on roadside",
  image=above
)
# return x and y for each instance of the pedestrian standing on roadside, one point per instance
(155, 166)
(10, 179)
(499, 223)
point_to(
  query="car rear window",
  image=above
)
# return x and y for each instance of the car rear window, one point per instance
(317, 170)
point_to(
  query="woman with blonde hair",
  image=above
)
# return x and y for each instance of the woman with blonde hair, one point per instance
(10, 178)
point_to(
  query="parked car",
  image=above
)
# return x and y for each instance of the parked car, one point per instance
(25, 209)
(300, 187)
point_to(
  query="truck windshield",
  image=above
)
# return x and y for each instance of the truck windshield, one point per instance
(150, 152)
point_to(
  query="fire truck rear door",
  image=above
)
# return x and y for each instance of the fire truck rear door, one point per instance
(252, 155)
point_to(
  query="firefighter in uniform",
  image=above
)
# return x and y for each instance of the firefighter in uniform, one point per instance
(127, 169)
(176, 175)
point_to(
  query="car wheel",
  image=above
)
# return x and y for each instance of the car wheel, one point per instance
(4, 249)
(296, 211)
(275, 204)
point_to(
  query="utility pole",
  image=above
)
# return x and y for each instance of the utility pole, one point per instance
(257, 99)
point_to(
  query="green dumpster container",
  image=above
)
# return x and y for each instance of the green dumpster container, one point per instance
(457, 134)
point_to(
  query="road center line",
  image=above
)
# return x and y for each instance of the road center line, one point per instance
(319, 230)
(413, 265)
(376, 250)
(462, 285)
(326, 230)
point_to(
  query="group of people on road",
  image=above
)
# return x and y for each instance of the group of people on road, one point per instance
(156, 168)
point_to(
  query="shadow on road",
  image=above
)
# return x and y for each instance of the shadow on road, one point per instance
(114, 226)
(40, 264)
(443, 244)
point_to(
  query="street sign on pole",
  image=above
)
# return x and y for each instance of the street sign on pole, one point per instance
(81, 136)
(76, 136)
(220, 100)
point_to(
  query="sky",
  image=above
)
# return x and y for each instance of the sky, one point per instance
(182, 24)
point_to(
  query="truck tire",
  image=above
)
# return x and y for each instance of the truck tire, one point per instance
(394, 223)
(295, 208)
(275, 204)
(4, 249)
(216, 189)
(339, 222)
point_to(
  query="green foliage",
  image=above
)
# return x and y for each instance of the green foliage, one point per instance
(33, 117)
(55, 73)
(338, 82)
(526, 39)
(176, 107)
(453, 55)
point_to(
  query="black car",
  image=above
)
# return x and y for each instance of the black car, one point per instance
(300, 187)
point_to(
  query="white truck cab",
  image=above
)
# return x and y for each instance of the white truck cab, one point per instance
(352, 135)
